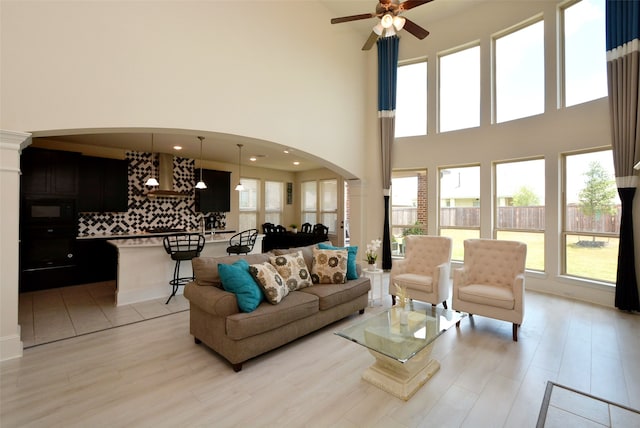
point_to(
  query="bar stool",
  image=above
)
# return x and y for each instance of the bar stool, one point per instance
(182, 247)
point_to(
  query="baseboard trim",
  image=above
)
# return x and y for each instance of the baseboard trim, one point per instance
(10, 347)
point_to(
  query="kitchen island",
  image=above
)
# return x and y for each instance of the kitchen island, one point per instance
(145, 268)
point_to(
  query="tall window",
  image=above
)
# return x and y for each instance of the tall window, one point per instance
(273, 196)
(329, 204)
(411, 100)
(460, 206)
(249, 204)
(519, 198)
(460, 89)
(519, 73)
(592, 212)
(585, 58)
(408, 207)
(309, 202)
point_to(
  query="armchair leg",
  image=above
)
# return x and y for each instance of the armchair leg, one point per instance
(515, 332)
(444, 303)
(458, 324)
(393, 300)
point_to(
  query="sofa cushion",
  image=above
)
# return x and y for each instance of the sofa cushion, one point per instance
(293, 269)
(331, 295)
(237, 279)
(329, 266)
(269, 281)
(205, 269)
(266, 317)
(352, 267)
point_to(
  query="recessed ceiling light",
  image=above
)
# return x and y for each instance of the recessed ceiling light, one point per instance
(286, 151)
(177, 147)
(253, 158)
(296, 163)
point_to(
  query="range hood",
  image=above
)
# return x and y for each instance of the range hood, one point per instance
(165, 178)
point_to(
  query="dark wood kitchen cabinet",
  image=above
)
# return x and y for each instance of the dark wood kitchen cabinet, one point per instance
(103, 185)
(49, 173)
(217, 196)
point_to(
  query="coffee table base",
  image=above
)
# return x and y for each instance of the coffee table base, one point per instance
(398, 379)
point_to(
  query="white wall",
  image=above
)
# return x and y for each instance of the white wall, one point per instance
(243, 68)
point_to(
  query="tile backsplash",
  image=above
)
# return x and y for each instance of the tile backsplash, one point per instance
(146, 212)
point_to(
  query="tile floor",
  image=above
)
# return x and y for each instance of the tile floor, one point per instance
(49, 315)
(571, 408)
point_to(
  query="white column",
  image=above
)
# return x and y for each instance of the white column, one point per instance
(11, 144)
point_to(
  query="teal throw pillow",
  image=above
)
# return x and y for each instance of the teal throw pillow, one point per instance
(352, 270)
(237, 280)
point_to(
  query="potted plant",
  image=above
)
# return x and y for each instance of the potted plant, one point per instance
(372, 253)
(294, 227)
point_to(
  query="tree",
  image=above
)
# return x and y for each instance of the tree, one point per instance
(525, 197)
(596, 198)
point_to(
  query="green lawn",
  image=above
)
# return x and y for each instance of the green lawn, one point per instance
(599, 263)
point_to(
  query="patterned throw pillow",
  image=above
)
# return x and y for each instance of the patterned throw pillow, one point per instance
(329, 266)
(293, 270)
(270, 281)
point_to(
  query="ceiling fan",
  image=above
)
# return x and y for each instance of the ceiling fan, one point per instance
(388, 11)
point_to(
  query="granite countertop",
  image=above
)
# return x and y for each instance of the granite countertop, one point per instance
(157, 241)
(143, 234)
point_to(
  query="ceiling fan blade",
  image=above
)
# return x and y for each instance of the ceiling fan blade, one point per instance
(415, 29)
(352, 18)
(370, 41)
(410, 4)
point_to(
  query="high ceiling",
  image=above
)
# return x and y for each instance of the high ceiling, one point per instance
(216, 146)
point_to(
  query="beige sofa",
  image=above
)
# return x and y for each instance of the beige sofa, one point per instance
(216, 320)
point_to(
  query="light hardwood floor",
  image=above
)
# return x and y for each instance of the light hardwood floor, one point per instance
(152, 374)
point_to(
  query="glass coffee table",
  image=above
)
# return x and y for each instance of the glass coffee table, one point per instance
(401, 342)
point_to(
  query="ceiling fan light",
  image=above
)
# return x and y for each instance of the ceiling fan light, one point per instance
(378, 29)
(239, 187)
(152, 182)
(201, 185)
(398, 22)
(389, 32)
(387, 20)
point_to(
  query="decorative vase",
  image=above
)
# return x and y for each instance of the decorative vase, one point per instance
(294, 230)
(404, 316)
(373, 266)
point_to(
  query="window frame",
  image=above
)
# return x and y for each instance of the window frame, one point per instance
(280, 209)
(440, 228)
(426, 97)
(494, 66)
(440, 55)
(496, 207)
(246, 212)
(564, 233)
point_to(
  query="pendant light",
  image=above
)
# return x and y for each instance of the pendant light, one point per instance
(200, 184)
(151, 181)
(239, 187)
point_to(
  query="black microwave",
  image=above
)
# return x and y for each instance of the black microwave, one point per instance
(49, 210)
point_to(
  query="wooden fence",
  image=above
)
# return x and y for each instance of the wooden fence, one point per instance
(519, 218)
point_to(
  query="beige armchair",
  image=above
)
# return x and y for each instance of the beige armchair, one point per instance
(491, 282)
(425, 269)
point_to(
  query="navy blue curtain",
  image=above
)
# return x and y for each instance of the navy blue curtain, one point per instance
(623, 72)
(387, 81)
